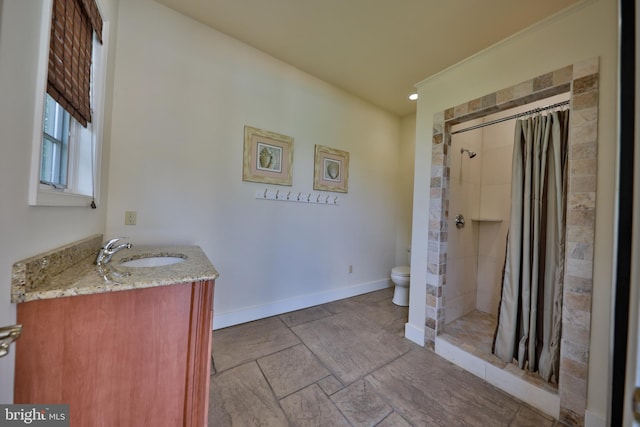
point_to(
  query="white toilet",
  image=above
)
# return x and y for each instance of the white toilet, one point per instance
(400, 277)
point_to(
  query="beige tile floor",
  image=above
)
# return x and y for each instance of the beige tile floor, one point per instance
(346, 363)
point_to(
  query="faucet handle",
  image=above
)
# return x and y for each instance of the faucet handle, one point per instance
(112, 242)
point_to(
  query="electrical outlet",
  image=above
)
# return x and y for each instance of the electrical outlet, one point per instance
(350, 269)
(130, 218)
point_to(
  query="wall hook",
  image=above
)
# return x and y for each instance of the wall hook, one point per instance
(279, 195)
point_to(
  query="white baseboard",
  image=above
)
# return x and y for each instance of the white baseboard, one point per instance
(592, 419)
(248, 314)
(413, 333)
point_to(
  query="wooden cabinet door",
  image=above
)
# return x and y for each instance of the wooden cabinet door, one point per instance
(128, 358)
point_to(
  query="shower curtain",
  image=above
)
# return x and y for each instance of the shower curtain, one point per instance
(530, 316)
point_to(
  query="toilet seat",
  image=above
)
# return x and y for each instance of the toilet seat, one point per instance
(403, 271)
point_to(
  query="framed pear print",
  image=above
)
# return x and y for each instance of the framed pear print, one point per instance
(330, 169)
(268, 157)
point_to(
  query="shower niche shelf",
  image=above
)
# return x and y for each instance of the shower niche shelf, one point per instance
(486, 219)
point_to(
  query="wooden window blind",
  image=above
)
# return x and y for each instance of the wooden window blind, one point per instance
(69, 76)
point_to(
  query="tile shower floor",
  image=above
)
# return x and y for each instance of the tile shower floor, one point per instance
(473, 333)
(346, 363)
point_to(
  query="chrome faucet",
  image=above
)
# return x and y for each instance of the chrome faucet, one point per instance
(8, 334)
(109, 248)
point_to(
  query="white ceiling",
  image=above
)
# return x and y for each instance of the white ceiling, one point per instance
(375, 49)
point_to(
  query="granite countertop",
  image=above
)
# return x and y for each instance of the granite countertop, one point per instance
(71, 270)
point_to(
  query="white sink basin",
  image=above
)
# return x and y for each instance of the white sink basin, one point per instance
(152, 261)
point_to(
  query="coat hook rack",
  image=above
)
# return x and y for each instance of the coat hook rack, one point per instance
(302, 197)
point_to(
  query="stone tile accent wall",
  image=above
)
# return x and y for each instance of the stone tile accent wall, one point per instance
(581, 80)
(578, 276)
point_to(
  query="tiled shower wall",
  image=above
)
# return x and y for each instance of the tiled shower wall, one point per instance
(581, 80)
(462, 244)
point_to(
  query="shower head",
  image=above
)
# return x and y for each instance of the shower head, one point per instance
(471, 154)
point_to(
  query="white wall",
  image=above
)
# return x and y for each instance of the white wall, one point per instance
(26, 230)
(586, 31)
(183, 93)
(405, 188)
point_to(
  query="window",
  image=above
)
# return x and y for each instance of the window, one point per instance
(55, 145)
(68, 123)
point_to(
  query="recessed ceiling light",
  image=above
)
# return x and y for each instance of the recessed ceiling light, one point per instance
(413, 96)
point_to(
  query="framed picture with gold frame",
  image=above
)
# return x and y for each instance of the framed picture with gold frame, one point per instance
(268, 157)
(330, 169)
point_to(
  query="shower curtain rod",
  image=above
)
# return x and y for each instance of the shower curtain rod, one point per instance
(515, 116)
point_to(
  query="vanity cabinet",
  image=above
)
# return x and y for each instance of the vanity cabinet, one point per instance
(138, 357)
